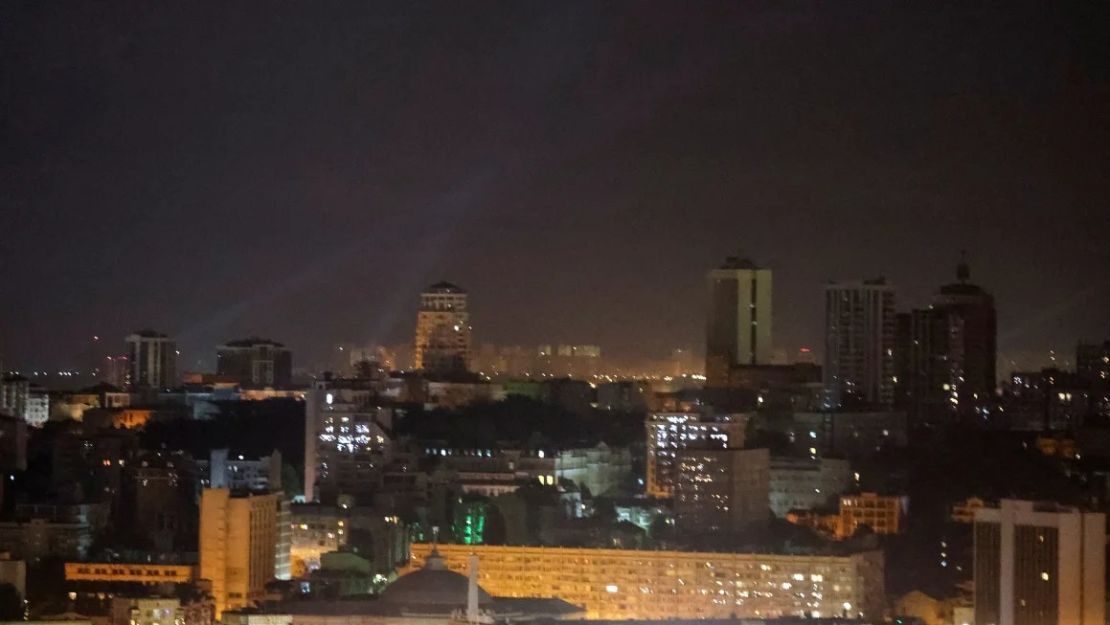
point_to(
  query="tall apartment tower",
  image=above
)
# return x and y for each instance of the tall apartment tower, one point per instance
(1038, 564)
(153, 358)
(255, 362)
(1092, 363)
(859, 343)
(442, 344)
(928, 355)
(244, 543)
(946, 353)
(974, 308)
(738, 325)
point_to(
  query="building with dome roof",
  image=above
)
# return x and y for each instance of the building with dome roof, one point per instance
(435, 589)
(430, 595)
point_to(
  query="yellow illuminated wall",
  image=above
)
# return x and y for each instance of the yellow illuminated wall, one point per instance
(628, 584)
(238, 545)
(124, 572)
(882, 513)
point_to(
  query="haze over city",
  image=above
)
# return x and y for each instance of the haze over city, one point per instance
(303, 173)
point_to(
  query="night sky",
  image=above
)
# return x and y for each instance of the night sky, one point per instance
(301, 170)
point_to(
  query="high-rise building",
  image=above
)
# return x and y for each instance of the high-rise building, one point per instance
(722, 489)
(928, 352)
(255, 362)
(946, 353)
(738, 325)
(973, 307)
(347, 440)
(442, 345)
(668, 433)
(244, 543)
(859, 343)
(153, 358)
(1039, 564)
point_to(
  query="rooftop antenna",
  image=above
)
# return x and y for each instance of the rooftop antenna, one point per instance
(472, 590)
(963, 272)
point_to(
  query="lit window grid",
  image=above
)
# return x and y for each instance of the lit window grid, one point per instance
(627, 584)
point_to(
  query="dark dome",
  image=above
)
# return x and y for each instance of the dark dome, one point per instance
(432, 586)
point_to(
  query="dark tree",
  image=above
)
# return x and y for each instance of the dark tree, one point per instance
(11, 603)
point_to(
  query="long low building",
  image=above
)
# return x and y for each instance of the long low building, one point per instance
(618, 584)
(129, 572)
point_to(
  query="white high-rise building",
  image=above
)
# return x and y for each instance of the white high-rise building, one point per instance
(859, 343)
(1039, 564)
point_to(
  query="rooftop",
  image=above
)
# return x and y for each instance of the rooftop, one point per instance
(432, 586)
(445, 287)
(251, 341)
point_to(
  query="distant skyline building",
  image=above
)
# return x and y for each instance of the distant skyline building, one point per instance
(928, 352)
(1039, 564)
(738, 322)
(153, 358)
(1092, 363)
(974, 307)
(116, 370)
(946, 354)
(575, 361)
(442, 342)
(859, 343)
(255, 362)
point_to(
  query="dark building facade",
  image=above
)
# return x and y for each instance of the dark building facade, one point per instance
(945, 354)
(1092, 363)
(859, 344)
(255, 362)
(974, 308)
(442, 342)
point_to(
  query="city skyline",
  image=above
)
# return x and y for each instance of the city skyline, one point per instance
(322, 356)
(312, 200)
